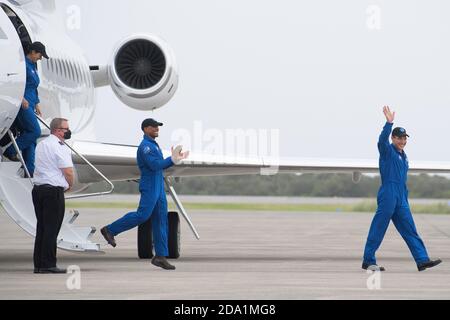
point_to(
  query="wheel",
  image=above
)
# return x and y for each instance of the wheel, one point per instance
(174, 235)
(145, 240)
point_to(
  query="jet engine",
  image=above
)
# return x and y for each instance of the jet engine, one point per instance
(142, 72)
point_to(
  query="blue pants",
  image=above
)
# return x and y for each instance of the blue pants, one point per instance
(29, 133)
(393, 204)
(151, 207)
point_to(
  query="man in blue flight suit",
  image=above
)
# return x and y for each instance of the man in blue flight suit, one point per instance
(153, 203)
(393, 199)
(26, 120)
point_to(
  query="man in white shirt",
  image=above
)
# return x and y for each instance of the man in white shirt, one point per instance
(52, 177)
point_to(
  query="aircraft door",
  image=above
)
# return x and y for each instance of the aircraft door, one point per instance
(12, 73)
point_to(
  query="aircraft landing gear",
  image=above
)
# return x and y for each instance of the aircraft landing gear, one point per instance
(145, 241)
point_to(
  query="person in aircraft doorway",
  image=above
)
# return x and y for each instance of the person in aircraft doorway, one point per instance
(153, 203)
(26, 120)
(393, 199)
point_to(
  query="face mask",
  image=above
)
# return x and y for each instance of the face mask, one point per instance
(67, 135)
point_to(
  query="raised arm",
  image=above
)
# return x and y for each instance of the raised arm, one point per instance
(155, 163)
(177, 155)
(383, 140)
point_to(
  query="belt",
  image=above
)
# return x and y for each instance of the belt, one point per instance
(47, 186)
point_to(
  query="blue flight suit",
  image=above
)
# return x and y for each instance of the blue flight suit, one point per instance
(27, 122)
(153, 201)
(393, 202)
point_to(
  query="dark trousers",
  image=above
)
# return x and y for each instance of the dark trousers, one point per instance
(49, 206)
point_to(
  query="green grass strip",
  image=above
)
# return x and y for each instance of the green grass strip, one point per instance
(364, 206)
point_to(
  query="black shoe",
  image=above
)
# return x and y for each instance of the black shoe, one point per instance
(428, 264)
(108, 236)
(372, 267)
(36, 270)
(13, 158)
(52, 270)
(162, 263)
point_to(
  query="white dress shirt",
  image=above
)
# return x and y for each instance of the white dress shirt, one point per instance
(52, 156)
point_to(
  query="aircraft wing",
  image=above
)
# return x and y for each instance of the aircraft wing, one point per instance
(118, 163)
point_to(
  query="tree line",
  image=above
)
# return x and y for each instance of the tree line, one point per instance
(304, 185)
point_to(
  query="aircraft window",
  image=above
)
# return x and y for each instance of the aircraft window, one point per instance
(2, 34)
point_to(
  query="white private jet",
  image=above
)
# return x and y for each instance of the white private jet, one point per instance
(143, 75)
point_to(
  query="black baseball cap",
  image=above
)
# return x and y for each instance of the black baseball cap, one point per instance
(38, 47)
(399, 132)
(150, 123)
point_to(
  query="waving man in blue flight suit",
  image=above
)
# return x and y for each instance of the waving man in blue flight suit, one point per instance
(153, 201)
(393, 199)
(26, 120)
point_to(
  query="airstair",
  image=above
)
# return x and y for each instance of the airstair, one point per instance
(15, 198)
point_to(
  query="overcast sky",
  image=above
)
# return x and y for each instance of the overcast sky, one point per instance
(319, 71)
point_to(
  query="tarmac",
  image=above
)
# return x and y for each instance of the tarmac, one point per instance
(241, 255)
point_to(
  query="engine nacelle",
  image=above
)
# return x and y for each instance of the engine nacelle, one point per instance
(143, 72)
